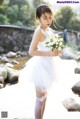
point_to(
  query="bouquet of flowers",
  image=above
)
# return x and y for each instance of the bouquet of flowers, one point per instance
(55, 42)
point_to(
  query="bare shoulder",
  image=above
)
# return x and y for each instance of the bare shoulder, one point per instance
(38, 31)
(38, 34)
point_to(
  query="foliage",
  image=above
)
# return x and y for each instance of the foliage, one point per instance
(1, 2)
(66, 18)
(22, 13)
(3, 9)
(18, 2)
(36, 3)
(74, 24)
(17, 12)
(10, 12)
(4, 19)
(18, 23)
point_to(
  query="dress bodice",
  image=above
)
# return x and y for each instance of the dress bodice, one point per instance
(42, 45)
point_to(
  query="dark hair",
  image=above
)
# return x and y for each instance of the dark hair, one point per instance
(42, 9)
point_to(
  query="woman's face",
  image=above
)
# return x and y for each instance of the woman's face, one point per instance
(46, 20)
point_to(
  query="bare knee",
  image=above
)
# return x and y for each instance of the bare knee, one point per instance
(41, 95)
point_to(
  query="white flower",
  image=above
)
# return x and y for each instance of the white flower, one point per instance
(55, 42)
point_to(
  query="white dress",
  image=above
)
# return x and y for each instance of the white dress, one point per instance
(40, 69)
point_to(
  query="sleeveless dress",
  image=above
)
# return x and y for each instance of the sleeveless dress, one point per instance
(40, 69)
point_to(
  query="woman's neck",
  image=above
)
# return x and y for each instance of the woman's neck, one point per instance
(42, 27)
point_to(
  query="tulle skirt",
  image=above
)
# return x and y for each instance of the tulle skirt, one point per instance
(39, 70)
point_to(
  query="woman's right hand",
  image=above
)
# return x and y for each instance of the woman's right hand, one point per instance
(56, 52)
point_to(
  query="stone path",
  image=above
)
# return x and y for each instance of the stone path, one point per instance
(19, 100)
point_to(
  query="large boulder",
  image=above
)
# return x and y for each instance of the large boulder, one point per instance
(8, 76)
(77, 70)
(4, 59)
(3, 72)
(76, 88)
(11, 54)
(2, 84)
(12, 77)
(71, 105)
(3, 76)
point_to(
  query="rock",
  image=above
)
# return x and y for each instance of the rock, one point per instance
(77, 70)
(3, 72)
(76, 88)
(9, 65)
(0, 57)
(15, 49)
(4, 59)
(14, 62)
(24, 53)
(2, 85)
(78, 60)
(68, 54)
(11, 54)
(3, 76)
(1, 49)
(71, 105)
(12, 77)
(1, 79)
(8, 75)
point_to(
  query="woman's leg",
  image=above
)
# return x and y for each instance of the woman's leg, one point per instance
(40, 103)
(43, 105)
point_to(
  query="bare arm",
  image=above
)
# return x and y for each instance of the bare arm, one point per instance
(37, 37)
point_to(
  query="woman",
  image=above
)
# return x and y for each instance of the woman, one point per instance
(40, 67)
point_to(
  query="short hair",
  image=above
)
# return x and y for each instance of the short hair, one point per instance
(42, 9)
